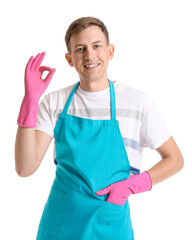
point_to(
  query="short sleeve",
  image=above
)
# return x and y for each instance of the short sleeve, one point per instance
(44, 118)
(153, 129)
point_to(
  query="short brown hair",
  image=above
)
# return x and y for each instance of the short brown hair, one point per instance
(82, 23)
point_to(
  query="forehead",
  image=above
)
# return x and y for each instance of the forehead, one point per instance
(87, 36)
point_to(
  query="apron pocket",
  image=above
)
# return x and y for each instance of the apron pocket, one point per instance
(113, 206)
(54, 214)
(112, 222)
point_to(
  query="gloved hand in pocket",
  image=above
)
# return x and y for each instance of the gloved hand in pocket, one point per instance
(120, 191)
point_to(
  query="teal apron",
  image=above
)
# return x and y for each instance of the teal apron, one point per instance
(90, 156)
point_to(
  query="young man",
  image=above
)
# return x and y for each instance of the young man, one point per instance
(100, 128)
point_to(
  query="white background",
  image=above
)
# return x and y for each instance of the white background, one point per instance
(153, 53)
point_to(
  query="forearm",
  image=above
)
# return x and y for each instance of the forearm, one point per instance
(29, 151)
(165, 168)
(25, 151)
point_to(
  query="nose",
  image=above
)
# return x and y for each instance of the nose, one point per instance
(89, 53)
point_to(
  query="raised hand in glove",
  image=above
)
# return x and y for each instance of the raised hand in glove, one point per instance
(35, 86)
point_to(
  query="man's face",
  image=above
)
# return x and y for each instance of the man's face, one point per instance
(90, 54)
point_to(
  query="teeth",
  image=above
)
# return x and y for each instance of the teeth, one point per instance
(89, 66)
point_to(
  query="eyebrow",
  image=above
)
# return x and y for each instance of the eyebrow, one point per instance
(81, 44)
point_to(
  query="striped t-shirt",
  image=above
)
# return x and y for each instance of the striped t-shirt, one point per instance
(140, 122)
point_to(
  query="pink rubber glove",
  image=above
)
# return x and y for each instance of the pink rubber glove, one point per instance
(35, 86)
(120, 191)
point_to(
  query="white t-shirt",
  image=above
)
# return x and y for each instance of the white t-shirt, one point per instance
(140, 122)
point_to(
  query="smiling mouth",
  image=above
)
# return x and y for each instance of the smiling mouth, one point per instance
(91, 66)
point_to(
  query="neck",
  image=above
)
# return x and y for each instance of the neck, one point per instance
(94, 86)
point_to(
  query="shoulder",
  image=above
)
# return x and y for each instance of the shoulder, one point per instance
(122, 88)
(130, 96)
(59, 96)
(63, 92)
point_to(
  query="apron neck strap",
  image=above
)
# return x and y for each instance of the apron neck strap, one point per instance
(112, 97)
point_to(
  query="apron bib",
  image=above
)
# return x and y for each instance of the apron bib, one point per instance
(90, 156)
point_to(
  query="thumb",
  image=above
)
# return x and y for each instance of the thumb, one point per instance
(49, 77)
(103, 191)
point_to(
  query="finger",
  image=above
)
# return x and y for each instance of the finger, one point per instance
(40, 60)
(103, 191)
(45, 68)
(49, 77)
(28, 66)
(34, 63)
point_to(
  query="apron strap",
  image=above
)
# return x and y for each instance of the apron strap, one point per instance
(112, 96)
(70, 99)
(113, 105)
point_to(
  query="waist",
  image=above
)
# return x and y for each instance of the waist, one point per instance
(81, 200)
(72, 179)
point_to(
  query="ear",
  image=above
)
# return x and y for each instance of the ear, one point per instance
(69, 59)
(111, 51)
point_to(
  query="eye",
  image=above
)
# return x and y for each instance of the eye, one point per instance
(81, 49)
(97, 46)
